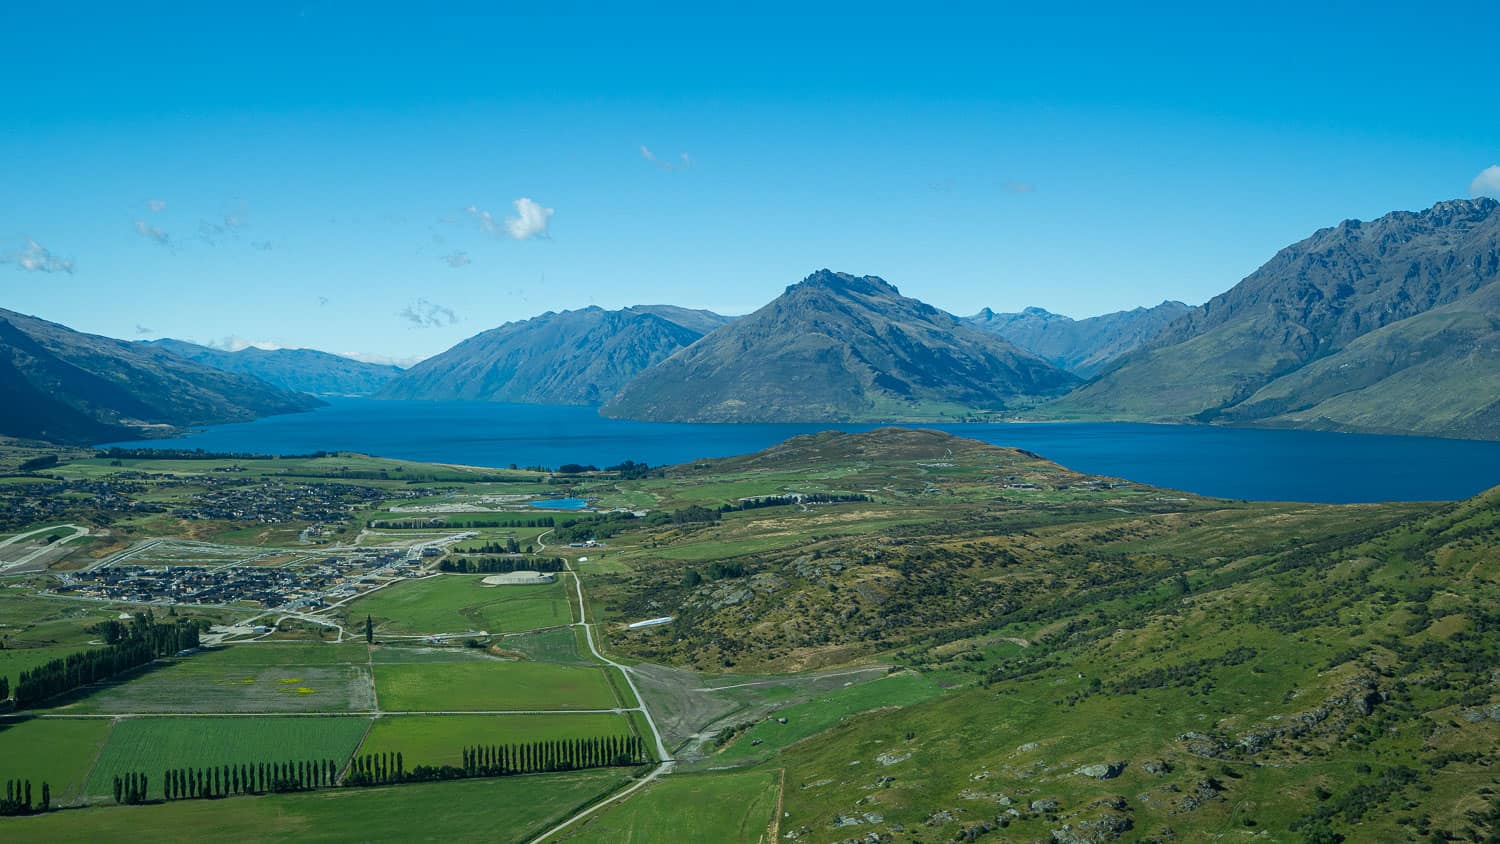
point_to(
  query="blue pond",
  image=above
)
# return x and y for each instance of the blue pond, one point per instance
(561, 504)
(1229, 462)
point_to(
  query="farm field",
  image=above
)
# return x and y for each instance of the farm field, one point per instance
(456, 686)
(184, 686)
(439, 739)
(457, 603)
(507, 810)
(282, 654)
(151, 745)
(55, 751)
(547, 645)
(725, 808)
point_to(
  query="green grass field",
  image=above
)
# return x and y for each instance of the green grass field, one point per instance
(733, 808)
(151, 745)
(454, 603)
(467, 686)
(507, 810)
(439, 739)
(55, 751)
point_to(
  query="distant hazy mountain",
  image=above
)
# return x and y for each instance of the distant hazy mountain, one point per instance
(1388, 325)
(578, 357)
(839, 347)
(61, 385)
(299, 370)
(1083, 347)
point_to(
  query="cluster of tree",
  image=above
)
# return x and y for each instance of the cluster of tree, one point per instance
(784, 500)
(596, 526)
(510, 545)
(18, 799)
(46, 461)
(376, 769)
(131, 788)
(4, 688)
(499, 565)
(498, 760)
(468, 522)
(255, 778)
(1182, 674)
(144, 641)
(576, 468)
(633, 471)
(694, 514)
(723, 570)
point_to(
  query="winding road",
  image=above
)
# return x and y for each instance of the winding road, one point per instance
(666, 763)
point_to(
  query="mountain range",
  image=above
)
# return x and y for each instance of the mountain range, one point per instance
(1083, 347)
(1387, 326)
(66, 386)
(839, 347)
(299, 370)
(580, 357)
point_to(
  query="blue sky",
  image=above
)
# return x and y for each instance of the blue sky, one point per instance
(342, 175)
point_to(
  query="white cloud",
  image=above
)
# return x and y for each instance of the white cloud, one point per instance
(684, 161)
(456, 259)
(36, 258)
(156, 205)
(1487, 183)
(425, 314)
(369, 357)
(485, 218)
(530, 221)
(234, 343)
(152, 233)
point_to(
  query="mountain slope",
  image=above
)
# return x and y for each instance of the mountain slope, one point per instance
(299, 370)
(66, 386)
(838, 347)
(1083, 347)
(1311, 301)
(578, 357)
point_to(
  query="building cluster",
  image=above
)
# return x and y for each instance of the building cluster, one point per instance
(23, 504)
(303, 586)
(271, 502)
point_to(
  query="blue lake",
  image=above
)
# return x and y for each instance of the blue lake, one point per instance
(1228, 462)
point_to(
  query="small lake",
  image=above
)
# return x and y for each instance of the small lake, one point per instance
(560, 504)
(1243, 463)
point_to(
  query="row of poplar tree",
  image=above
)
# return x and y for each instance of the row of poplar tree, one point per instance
(561, 755)
(381, 769)
(145, 641)
(18, 798)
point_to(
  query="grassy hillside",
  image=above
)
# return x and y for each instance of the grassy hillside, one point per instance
(1382, 326)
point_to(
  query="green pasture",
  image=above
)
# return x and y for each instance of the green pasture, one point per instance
(152, 745)
(469, 686)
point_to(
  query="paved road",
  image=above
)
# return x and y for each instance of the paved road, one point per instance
(661, 748)
(78, 533)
